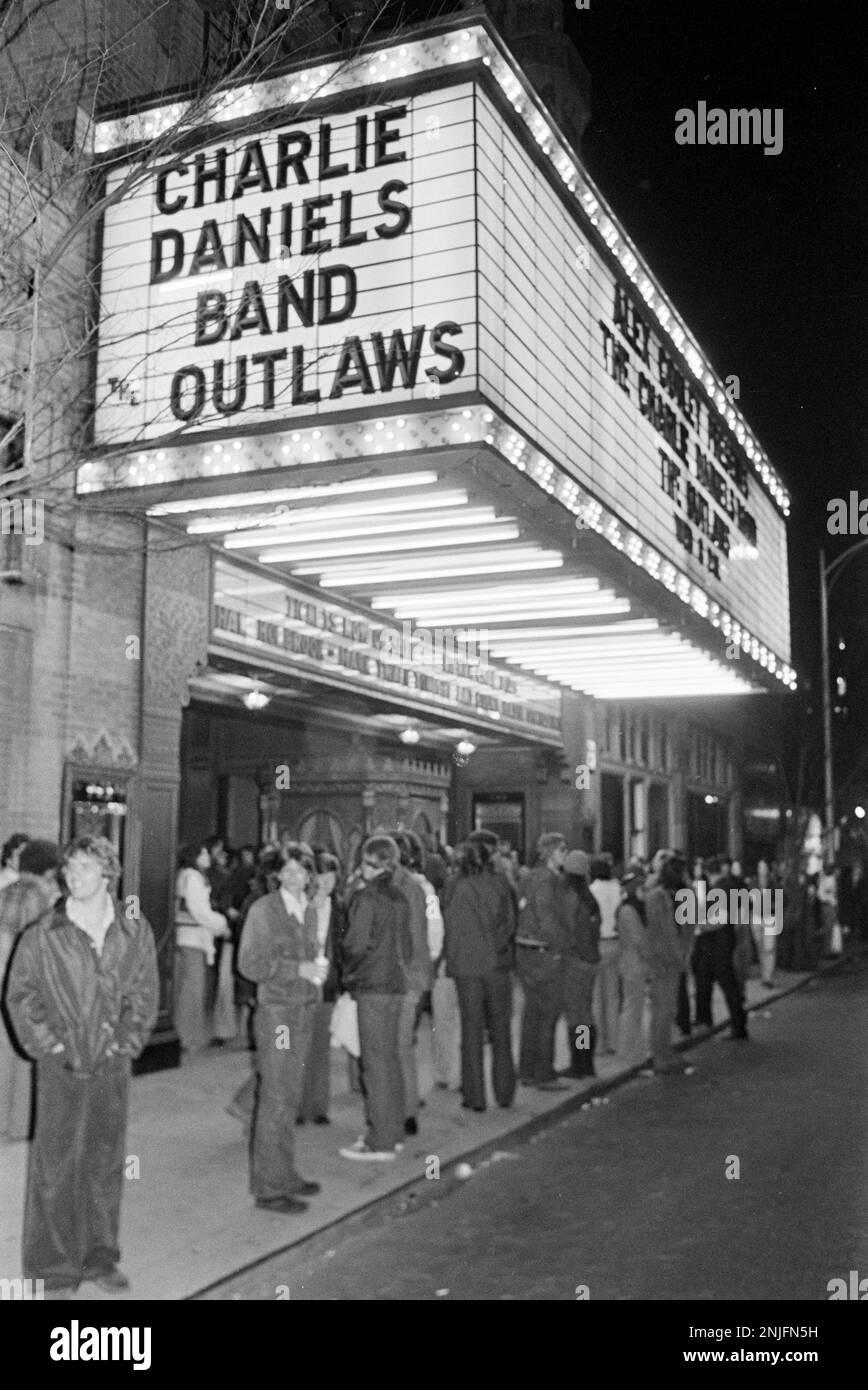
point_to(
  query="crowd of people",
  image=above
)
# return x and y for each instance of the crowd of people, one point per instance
(284, 950)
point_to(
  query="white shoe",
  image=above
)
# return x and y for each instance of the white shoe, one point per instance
(369, 1155)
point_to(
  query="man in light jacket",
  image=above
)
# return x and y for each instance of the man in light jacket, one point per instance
(82, 997)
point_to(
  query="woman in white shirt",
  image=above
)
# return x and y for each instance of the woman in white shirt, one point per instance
(197, 927)
(607, 985)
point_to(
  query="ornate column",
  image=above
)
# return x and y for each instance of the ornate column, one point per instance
(175, 643)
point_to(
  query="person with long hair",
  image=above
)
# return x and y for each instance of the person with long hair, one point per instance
(580, 962)
(279, 953)
(376, 954)
(607, 891)
(480, 929)
(331, 923)
(197, 928)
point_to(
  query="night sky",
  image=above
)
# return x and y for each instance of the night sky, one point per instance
(766, 256)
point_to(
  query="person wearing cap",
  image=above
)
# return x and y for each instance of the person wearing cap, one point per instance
(580, 961)
(607, 892)
(634, 967)
(539, 946)
(668, 949)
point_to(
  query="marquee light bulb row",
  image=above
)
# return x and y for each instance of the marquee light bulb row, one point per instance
(458, 427)
(598, 518)
(442, 51)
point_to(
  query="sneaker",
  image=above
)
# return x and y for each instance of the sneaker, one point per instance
(367, 1155)
(111, 1280)
(322, 1120)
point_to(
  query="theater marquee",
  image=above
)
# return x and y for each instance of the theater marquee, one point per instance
(392, 257)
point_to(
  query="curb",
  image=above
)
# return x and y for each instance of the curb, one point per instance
(417, 1193)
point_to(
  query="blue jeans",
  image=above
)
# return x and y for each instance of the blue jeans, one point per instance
(380, 1068)
(76, 1173)
(281, 1084)
(540, 975)
(485, 1002)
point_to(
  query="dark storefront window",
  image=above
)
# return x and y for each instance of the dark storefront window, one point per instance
(612, 814)
(503, 815)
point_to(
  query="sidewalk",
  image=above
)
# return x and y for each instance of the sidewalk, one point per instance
(188, 1220)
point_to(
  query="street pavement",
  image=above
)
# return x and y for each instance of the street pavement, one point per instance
(636, 1197)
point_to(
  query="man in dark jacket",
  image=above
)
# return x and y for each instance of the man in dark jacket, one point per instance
(375, 955)
(420, 972)
(480, 927)
(539, 948)
(82, 997)
(713, 952)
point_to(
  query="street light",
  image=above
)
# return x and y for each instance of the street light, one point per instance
(828, 574)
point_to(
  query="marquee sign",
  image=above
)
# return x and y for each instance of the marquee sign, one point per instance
(292, 273)
(388, 255)
(278, 623)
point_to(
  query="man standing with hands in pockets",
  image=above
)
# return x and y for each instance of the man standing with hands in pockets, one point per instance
(82, 997)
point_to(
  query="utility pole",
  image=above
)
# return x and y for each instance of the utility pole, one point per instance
(828, 781)
(828, 574)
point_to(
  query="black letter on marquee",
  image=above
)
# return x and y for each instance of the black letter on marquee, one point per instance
(327, 170)
(246, 235)
(388, 204)
(348, 237)
(253, 172)
(287, 295)
(309, 225)
(209, 250)
(250, 312)
(237, 401)
(383, 136)
(210, 308)
(455, 355)
(398, 358)
(352, 369)
(292, 160)
(158, 275)
(300, 396)
(179, 412)
(328, 313)
(178, 202)
(268, 360)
